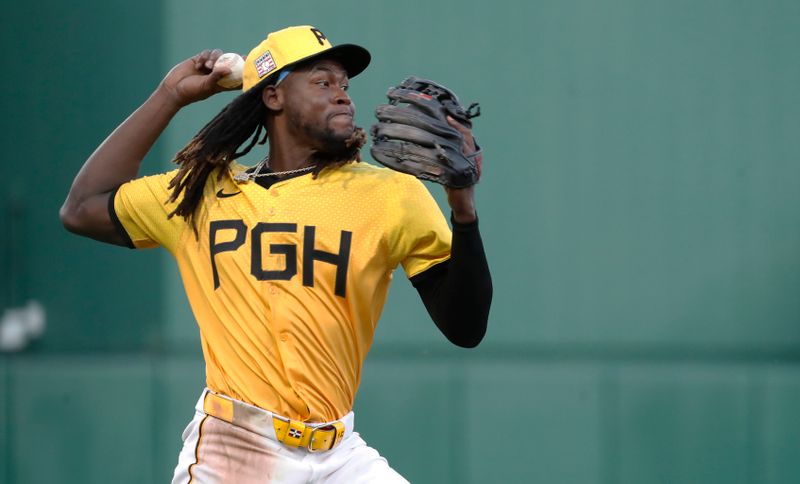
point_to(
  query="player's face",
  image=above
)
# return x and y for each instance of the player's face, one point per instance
(318, 104)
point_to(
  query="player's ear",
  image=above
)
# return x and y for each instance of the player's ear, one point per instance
(272, 97)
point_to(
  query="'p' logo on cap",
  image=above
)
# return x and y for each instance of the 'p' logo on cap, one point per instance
(320, 36)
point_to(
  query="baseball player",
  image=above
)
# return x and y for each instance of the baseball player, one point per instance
(286, 264)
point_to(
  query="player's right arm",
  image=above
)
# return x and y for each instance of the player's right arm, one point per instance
(117, 159)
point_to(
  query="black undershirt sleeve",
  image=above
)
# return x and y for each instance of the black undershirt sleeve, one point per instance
(458, 293)
(117, 224)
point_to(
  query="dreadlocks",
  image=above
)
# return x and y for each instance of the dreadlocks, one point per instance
(215, 146)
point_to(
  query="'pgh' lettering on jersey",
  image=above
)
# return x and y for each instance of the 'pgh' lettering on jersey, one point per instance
(287, 283)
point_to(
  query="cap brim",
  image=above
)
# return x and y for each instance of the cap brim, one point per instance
(353, 57)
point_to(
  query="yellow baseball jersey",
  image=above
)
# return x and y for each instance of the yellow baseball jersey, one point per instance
(287, 283)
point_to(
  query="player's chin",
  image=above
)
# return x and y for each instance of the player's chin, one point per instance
(342, 122)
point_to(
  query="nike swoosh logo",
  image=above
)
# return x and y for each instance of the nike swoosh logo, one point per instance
(220, 194)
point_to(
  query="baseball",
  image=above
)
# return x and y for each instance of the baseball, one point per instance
(236, 64)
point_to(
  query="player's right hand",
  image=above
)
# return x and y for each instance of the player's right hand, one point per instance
(195, 78)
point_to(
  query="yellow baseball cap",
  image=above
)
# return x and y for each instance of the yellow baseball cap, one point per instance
(294, 44)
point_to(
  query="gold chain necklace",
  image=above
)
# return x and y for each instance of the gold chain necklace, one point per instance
(244, 176)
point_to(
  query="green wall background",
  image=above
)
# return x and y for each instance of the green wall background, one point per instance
(639, 208)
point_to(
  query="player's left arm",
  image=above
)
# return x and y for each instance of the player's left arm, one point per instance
(462, 200)
(458, 293)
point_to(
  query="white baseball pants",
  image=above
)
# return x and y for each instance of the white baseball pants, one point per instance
(215, 452)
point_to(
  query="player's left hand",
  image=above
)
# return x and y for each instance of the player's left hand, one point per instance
(462, 200)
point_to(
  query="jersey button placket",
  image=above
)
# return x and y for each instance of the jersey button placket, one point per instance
(272, 294)
(283, 335)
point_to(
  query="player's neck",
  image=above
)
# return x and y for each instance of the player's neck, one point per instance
(288, 156)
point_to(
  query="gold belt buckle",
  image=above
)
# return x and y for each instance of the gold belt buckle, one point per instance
(333, 429)
(310, 445)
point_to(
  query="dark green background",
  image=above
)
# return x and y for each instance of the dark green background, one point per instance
(640, 210)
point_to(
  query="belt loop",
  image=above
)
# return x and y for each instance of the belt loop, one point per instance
(216, 406)
(294, 433)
